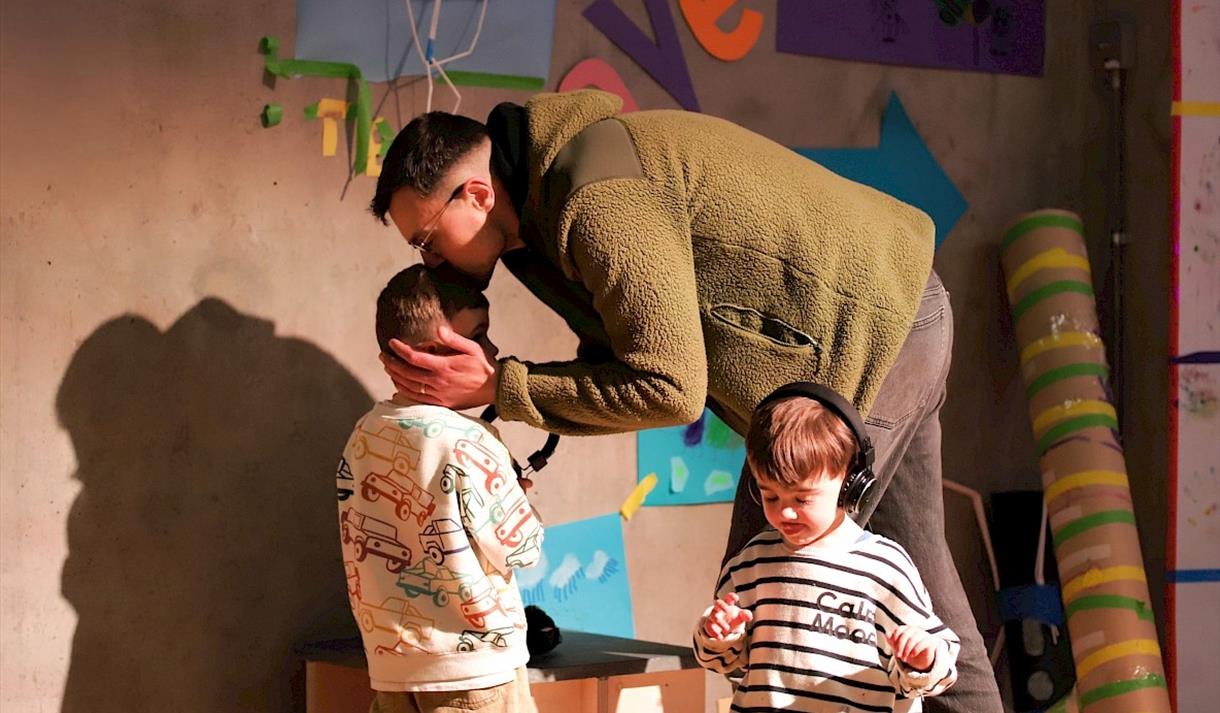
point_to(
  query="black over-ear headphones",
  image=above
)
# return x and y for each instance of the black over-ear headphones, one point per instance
(538, 459)
(859, 482)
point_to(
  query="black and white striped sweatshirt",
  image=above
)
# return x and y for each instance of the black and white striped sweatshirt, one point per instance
(817, 642)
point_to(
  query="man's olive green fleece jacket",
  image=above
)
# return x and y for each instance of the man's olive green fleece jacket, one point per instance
(700, 262)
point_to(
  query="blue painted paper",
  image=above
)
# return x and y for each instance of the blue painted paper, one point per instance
(581, 580)
(694, 464)
(374, 35)
(901, 166)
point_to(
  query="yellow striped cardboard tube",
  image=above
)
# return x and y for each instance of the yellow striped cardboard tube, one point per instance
(1049, 285)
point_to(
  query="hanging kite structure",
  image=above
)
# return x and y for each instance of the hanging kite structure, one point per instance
(425, 51)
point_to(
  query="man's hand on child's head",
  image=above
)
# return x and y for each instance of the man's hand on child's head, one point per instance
(914, 647)
(726, 618)
(462, 379)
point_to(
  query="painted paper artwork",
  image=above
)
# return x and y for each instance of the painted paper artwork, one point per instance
(1001, 36)
(699, 463)
(374, 35)
(581, 580)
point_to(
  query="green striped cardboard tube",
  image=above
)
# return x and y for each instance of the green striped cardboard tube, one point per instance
(1116, 603)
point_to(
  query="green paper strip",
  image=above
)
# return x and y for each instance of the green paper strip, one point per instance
(1071, 371)
(1040, 221)
(289, 68)
(1110, 690)
(1054, 288)
(385, 134)
(1072, 425)
(1097, 519)
(272, 115)
(496, 81)
(1110, 601)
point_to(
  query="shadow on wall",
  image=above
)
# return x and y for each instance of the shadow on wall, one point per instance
(203, 544)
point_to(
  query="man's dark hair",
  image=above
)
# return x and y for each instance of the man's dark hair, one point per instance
(415, 301)
(422, 153)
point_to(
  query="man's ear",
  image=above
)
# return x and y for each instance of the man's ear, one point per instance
(482, 193)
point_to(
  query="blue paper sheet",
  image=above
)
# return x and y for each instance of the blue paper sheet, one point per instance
(699, 463)
(902, 166)
(374, 35)
(581, 580)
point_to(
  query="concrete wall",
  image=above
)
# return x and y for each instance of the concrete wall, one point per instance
(187, 328)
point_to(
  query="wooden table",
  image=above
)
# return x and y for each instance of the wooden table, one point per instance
(587, 673)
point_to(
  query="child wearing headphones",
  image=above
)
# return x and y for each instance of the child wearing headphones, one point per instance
(816, 614)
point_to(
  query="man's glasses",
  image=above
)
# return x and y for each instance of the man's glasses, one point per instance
(424, 242)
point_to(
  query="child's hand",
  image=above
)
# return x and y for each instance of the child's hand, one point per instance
(914, 647)
(726, 618)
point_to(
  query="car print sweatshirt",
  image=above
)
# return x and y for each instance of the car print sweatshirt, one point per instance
(433, 523)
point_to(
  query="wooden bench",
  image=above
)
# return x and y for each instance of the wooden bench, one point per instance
(587, 673)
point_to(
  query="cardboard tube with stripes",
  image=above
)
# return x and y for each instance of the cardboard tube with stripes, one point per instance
(1084, 475)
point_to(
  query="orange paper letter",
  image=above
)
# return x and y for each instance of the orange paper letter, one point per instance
(702, 16)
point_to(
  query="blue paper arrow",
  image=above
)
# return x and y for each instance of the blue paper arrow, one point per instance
(901, 166)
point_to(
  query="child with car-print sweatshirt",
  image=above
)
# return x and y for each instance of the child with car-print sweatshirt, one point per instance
(433, 521)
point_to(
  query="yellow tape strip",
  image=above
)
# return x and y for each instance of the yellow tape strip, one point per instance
(330, 136)
(1055, 257)
(1058, 341)
(1084, 407)
(1195, 109)
(1135, 647)
(636, 499)
(1084, 479)
(331, 111)
(1096, 577)
(334, 108)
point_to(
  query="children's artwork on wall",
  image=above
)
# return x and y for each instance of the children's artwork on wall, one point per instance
(360, 111)
(581, 580)
(1002, 36)
(661, 57)
(513, 50)
(694, 464)
(1193, 590)
(901, 166)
